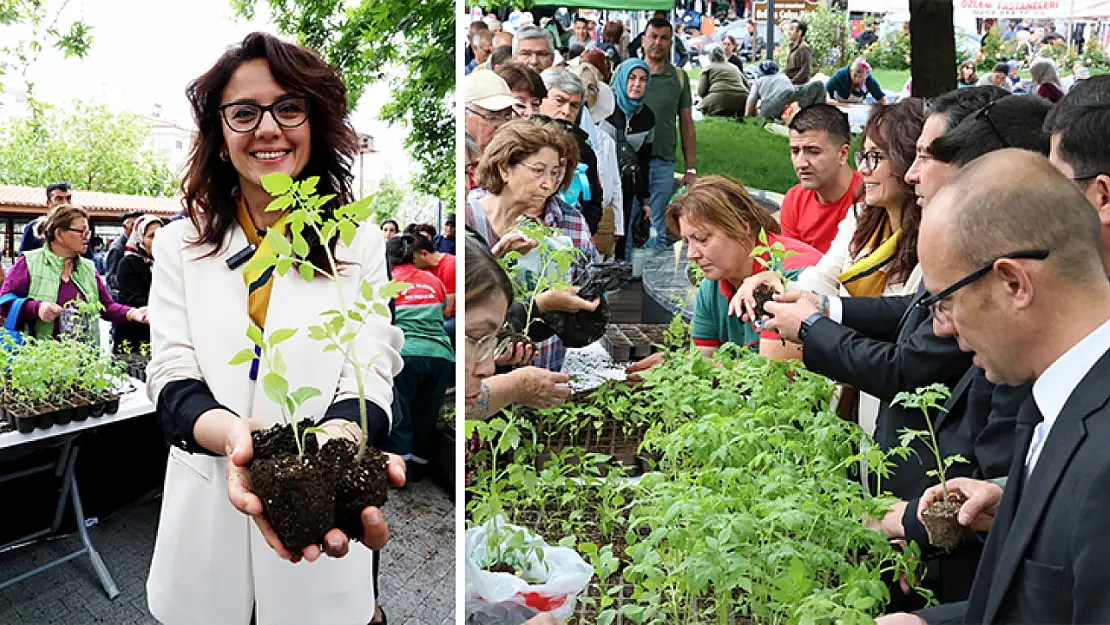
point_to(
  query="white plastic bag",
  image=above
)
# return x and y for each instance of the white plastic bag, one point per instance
(504, 598)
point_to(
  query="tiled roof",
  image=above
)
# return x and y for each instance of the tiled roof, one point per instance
(35, 197)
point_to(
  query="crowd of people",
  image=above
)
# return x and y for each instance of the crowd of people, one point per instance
(933, 260)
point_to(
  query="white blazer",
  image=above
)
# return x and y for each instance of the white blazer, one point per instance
(211, 565)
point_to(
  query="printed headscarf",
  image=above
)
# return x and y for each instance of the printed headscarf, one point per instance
(862, 66)
(620, 86)
(135, 243)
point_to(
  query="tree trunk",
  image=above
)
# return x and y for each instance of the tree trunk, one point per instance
(932, 49)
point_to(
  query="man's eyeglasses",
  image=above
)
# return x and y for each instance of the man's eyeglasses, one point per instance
(868, 160)
(288, 111)
(487, 347)
(985, 114)
(506, 115)
(935, 302)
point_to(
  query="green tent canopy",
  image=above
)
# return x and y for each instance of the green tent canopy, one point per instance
(611, 5)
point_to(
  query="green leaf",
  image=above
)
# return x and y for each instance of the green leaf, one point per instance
(367, 290)
(305, 393)
(347, 232)
(276, 387)
(254, 333)
(606, 617)
(392, 289)
(306, 272)
(282, 335)
(278, 243)
(308, 185)
(259, 263)
(242, 356)
(300, 245)
(277, 183)
(279, 366)
(283, 266)
(280, 203)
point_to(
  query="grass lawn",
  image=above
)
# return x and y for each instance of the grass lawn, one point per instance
(745, 151)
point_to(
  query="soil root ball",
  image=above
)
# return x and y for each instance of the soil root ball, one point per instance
(940, 520)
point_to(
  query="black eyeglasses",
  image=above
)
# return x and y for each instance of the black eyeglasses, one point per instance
(933, 302)
(289, 111)
(985, 114)
(1088, 177)
(870, 160)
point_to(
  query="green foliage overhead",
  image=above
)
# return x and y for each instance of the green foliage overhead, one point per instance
(20, 54)
(363, 39)
(91, 146)
(386, 201)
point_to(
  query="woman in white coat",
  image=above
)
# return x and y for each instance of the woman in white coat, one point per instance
(266, 106)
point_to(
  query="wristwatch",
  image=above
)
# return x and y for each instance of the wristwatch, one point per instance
(692, 171)
(807, 323)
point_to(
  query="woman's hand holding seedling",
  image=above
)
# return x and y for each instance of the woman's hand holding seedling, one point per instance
(375, 531)
(980, 501)
(743, 303)
(540, 388)
(49, 311)
(565, 300)
(516, 355)
(137, 315)
(513, 241)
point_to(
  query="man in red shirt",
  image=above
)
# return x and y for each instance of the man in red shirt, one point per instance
(820, 143)
(441, 265)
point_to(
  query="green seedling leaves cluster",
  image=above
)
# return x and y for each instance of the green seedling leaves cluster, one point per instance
(310, 214)
(50, 371)
(930, 401)
(753, 509)
(776, 255)
(556, 263)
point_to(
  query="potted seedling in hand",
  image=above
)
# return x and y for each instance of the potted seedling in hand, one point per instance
(775, 263)
(307, 490)
(939, 517)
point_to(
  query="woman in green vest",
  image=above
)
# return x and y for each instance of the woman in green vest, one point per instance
(56, 274)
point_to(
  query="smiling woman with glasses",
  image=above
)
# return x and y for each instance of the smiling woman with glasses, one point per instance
(265, 106)
(56, 277)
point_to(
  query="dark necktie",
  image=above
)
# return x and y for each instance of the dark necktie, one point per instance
(1029, 416)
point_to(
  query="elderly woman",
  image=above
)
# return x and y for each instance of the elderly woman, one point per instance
(133, 276)
(723, 88)
(265, 106)
(599, 101)
(520, 175)
(57, 275)
(1046, 80)
(854, 83)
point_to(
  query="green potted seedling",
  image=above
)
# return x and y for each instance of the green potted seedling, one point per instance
(307, 490)
(776, 264)
(939, 517)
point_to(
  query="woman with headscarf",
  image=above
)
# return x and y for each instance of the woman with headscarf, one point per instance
(722, 87)
(854, 83)
(632, 125)
(1046, 80)
(133, 279)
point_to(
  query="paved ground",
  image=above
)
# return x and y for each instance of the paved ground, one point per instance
(417, 569)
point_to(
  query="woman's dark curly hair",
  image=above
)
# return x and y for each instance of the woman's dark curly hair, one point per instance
(211, 184)
(894, 129)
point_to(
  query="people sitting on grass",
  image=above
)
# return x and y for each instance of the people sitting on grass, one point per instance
(854, 83)
(967, 77)
(720, 225)
(999, 77)
(1046, 80)
(722, 87)
(772, 92)
(820, 145)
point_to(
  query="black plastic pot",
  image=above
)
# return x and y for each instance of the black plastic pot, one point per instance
(65, 414)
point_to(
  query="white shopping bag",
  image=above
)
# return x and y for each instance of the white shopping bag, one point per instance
(506, 599)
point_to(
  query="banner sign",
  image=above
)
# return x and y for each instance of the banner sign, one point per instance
(785, 10)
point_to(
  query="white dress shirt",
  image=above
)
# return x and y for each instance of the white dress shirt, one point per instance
(1052, 390)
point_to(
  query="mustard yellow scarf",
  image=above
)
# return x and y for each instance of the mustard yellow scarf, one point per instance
(259, 283)
(867, 276)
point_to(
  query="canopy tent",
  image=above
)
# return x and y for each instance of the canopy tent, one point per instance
(610, 5)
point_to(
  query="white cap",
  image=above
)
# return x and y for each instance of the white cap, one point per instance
(488, 90)
(606, 103)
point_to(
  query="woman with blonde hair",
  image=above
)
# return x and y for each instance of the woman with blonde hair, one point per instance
(56, 275)
(721, 224)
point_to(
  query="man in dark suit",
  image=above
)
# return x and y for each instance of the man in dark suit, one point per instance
(1025, 289)
(887, 345)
